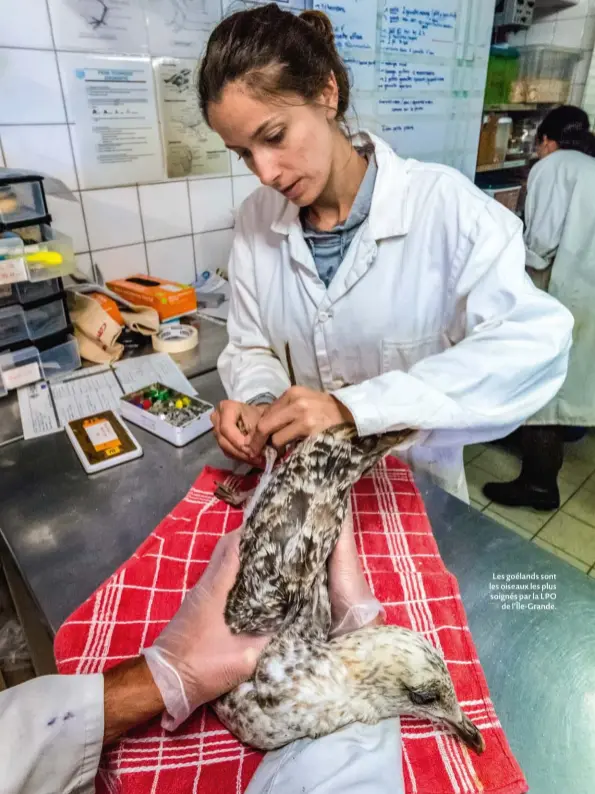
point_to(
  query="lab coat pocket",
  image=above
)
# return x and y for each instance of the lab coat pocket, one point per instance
(400, 355)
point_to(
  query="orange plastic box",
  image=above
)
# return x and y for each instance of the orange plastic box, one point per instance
(169, 298)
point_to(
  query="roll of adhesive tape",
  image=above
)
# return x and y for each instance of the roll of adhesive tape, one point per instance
(175, 339)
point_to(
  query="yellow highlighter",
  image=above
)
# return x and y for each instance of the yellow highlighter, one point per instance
(45, 258)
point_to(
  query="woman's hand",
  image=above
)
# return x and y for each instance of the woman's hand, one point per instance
(298, 413)
(234, 424)
(196, 658)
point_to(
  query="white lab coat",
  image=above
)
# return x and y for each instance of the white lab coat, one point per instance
(560, 229)
(51, 734)
(430, 321)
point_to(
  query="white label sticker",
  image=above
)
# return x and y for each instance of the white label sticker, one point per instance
(171, 287)
(12, 270)
(101, 433)
(21, 376)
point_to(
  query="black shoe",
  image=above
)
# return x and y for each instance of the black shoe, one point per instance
(521, 494)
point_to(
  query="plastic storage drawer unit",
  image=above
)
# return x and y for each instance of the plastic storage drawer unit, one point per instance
(13, 326)
(46, 320)
(19, 369)
(60, 359)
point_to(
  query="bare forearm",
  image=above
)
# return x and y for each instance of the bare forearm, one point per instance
(131, 697)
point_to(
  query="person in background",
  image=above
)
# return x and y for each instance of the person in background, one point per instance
(365, 288)
(53, 728)
(560, 255)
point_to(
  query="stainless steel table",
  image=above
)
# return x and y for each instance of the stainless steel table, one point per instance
(68, 532)
(212, 340)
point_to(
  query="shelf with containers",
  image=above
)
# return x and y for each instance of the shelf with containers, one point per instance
(35, 332)
(522, 85)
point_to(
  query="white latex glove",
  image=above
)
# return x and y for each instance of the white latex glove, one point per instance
(353, 604)
(196, 658)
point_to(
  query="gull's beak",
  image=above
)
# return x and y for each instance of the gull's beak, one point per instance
(469, 734)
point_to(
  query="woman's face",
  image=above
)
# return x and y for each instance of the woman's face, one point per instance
(287, 144)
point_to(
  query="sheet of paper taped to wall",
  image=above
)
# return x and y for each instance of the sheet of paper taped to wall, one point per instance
(45, 407)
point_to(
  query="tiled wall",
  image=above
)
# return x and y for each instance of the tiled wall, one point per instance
(171, 229)
(589, 95)
(572, 27)
(175, 228)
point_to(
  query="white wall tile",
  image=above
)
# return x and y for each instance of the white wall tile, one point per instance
(165, 210)
(581, 71)
(46, 149)
(30, 88)
(541, 33)
(211, 204)
(25, 23)
(581, 9)
(121, 262)
(113, 217)
(243, 186)
(588, 39)
(67, 217)
(517, 39)
(83, 263)
(576, 94)
(569, 33)
(238, 166)
(172, 259)
(212, 249)
(67, 63)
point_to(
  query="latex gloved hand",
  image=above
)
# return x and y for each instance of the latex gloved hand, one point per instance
(196, 658)
(353, 604)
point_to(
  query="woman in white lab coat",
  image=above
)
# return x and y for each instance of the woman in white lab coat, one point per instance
(365, 288)
(560, 242)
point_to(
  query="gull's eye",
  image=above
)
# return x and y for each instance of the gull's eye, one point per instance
(423, 696)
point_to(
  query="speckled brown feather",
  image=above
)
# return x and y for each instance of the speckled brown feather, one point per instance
(304, 685)
(293, 528)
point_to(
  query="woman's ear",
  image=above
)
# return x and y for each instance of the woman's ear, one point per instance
(549, 144)
(329, 97)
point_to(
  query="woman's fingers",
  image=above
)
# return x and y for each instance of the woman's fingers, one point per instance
(291, 432)
(277, 419)
(230, 416)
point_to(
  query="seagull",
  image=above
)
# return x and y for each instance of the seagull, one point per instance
(304, 684)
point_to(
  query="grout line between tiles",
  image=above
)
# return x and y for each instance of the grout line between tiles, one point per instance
(573, 556)
(142, 226)
(192, 228)
(72, 154)
(157, 240)
(555, 544)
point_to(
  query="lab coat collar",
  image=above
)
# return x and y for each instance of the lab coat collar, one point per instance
(388, 216)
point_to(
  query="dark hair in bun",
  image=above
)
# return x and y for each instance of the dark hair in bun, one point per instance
(274, 52)
(569, 127)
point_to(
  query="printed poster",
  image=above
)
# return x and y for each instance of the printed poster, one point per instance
(191, 148)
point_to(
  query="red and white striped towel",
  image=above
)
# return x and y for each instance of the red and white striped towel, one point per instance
(402, 563)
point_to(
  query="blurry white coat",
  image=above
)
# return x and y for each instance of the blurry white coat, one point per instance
(560, 220)
(430, 321)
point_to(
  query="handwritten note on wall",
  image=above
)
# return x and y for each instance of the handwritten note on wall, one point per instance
(413, 107)
(415, 139)
(354, 23)
(421, 29)
(411, 77)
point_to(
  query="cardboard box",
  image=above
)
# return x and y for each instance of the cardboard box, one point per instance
(168, 298)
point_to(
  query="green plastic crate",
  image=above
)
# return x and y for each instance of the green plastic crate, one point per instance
(503, 70)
